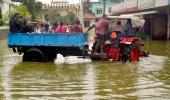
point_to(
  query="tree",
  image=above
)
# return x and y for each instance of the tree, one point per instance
(0, 13)
(104, 6)
(54, 15)
(86, 6)
(34, 7)
(22, 9)
(70, 17)
(31, 7)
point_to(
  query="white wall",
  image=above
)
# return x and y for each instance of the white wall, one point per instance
(159, 3)
(123, 6)
(146, 4)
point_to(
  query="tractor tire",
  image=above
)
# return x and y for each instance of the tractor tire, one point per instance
(126, 50)
(135, 52)
(34, 54)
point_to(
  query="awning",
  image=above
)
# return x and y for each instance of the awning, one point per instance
(145, 13)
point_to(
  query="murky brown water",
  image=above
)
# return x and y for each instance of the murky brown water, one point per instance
(148, 79)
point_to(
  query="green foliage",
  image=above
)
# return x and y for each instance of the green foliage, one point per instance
(70, 17)
(0, 13)
(1, 22)
(54, 17)
(22, 9)
(34, 7)
(17, 0)
(86, 6)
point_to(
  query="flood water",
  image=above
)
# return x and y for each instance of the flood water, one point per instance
(148, 79)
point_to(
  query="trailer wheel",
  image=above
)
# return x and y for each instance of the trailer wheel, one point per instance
(34, 54)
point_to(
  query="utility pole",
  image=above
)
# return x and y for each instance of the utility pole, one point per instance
(81, 14)
(104, 6)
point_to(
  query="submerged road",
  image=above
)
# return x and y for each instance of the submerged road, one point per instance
(148, 79)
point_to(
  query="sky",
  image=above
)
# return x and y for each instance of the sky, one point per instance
(70, 1)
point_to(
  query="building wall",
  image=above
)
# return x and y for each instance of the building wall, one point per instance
(159, 3)
(125, 6)
(63, 9)
(99, 6)
(159, 26)
(146, 4)
(156, 24)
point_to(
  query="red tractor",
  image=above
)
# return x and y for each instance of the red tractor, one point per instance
(128, 49)
(122, 48)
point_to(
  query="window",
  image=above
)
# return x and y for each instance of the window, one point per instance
(86, 23)
(116, 1)
(109, 9)
(99, 11)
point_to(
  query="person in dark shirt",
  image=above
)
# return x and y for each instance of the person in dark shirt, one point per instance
(27, 27)
(14, 23)
(77, 27)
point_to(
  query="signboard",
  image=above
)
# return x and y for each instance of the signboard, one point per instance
(146, 4)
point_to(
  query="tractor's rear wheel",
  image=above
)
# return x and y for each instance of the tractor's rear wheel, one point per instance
(134, 56)
(135, 53)
(34, 54)
(126, 50)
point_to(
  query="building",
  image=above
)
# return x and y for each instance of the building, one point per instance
(89, 20)
(97, 7)
(63, 7)
(155, 12)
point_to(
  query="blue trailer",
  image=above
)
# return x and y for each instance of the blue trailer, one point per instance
(45, 47)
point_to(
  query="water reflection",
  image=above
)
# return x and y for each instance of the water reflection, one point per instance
(90, 83)
(8, 61)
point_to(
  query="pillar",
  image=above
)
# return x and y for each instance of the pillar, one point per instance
(168, 26)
